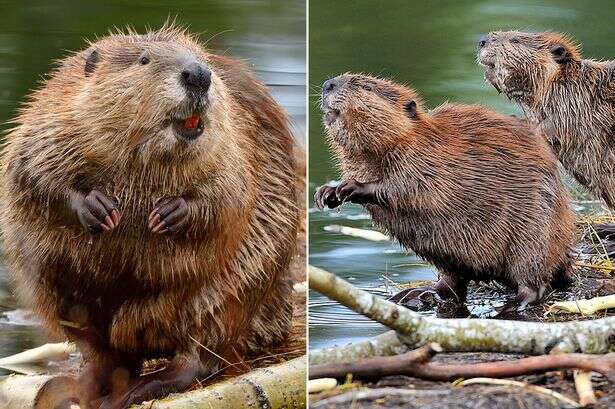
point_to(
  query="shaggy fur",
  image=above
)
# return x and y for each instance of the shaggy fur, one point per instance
(572, 100)
(473, 192)
(220, 288)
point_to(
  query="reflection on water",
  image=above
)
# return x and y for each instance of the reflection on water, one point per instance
(268, 35)
(431, 46)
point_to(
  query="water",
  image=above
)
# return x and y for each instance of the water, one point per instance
(431, 46)
(268, 35)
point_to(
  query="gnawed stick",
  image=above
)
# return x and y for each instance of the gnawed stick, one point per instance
(583, 385)
(470, 335)
(416, 364)
(585, 307)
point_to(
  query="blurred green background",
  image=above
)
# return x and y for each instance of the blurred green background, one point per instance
(431, 46)
(268, 35)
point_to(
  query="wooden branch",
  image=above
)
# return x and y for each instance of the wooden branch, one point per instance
(470, 335)
(416, 364)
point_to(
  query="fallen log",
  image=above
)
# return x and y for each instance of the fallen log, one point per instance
(36, 392)
(417, 364)
(382, 345)
(274, 387)
(470, 335)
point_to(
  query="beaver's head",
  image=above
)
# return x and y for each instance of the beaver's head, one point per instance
(155, 93)
(367, 114)
(523, 64)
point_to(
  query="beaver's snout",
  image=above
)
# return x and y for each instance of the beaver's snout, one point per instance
(483, 41)
(196, 77)
(329, 85)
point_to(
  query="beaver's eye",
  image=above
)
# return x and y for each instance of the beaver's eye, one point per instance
(515, 40)
(367, 87)
(144, 60)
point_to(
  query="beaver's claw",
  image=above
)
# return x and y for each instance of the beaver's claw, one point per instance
(95, 211)
(355, 192)
(170, 215)
(325, 196)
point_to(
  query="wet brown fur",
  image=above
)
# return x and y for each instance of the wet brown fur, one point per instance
(473, 192)
(572, 100)
(224, 286)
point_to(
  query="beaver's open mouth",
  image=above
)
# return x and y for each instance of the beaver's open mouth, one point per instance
(188, 128)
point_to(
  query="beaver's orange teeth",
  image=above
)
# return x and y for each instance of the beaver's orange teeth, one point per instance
(192, 122)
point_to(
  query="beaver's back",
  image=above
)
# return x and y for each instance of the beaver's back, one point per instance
(482, 189)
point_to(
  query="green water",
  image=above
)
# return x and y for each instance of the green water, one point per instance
(431, 46)
(268, 35)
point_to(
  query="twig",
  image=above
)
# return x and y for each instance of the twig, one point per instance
(321, 385)
(374, 394)
(459, 335)
(583, 384)
(508, 382)
(416, 364)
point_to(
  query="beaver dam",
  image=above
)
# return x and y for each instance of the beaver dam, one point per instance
(429, 377)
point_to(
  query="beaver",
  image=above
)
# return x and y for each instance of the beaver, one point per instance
(474, 192)
(571, 100)
(149, 210)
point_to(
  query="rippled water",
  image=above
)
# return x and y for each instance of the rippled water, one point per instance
(268, 35)
(431, 46)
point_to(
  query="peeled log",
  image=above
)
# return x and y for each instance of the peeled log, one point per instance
(275, 387)
(37, 392)
(470, 335)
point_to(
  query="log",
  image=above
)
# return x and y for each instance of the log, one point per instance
(274, 387)
(382, 345)
(470, 335)
(36, 392)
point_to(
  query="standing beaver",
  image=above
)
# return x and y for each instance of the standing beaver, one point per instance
(475, 193)
(572, 100)
(149, 210)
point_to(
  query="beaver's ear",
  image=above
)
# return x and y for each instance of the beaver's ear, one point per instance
(410, 108)
(561, 54)
(90, 62)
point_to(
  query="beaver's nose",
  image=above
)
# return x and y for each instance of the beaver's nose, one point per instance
(483, 41)
(329, 85)
(196, 76)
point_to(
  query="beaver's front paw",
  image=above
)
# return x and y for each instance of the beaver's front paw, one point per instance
(355, 192)
(170, 215)
(325, 196)
(95, 211)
